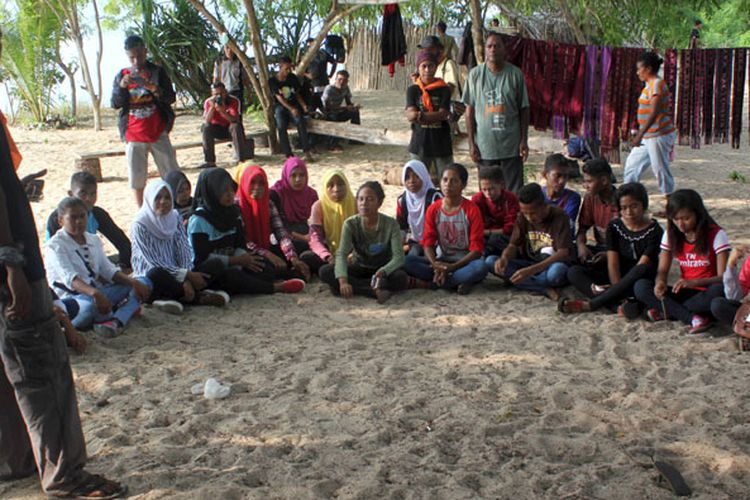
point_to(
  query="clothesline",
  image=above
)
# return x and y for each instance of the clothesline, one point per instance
(593, 91)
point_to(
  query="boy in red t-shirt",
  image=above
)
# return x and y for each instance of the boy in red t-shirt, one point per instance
(453, 239)
(222, 120)
(499, 209)
(144, 95)
(598, 209)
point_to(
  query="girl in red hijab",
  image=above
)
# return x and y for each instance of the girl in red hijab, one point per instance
(261, 219)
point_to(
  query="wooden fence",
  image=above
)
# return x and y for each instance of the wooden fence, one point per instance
(364, 57)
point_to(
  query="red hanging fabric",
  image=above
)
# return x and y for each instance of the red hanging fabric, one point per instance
(568, 83)
(738, 94)
(722, 94)
(709, 62)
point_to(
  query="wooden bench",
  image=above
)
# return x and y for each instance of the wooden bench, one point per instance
(89, 162)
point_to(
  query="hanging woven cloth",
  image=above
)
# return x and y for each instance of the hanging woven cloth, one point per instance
(670, 75)
(699, 78)
(722, 94)
(392, 40)
(709, 64)
(738, 94)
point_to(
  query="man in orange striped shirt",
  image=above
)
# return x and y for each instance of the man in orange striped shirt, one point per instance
(654, 141)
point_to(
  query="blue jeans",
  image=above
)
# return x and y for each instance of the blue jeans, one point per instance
(554, 276)
(124, 305)
(471, 273)
(283, 118)
(652, 153)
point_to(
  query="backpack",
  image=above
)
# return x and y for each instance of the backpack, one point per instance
(334, 46)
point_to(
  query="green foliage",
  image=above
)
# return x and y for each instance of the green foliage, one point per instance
(736, 176)
(31, 32)
(182, 42)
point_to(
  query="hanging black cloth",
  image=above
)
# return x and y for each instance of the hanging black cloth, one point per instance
(738, 94)
(393, 40)
(466, 56)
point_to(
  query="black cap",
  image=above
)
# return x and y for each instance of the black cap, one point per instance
(133, 42)
(430, 41)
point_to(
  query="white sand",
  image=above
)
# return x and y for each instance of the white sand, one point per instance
(492, 395)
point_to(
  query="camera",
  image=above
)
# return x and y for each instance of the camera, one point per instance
(218, 100)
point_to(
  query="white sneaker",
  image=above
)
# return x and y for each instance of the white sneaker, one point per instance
(168, 306)
(220, 293)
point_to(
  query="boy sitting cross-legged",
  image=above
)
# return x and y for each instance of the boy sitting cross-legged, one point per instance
(536, 259)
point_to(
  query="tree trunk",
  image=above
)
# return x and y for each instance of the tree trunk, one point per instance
(99, 54)
(71, 74)
(477, 29)
(260, 85)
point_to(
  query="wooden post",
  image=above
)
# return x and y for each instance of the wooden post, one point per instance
(90, 165)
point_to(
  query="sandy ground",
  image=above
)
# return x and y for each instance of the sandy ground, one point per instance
(493, 395)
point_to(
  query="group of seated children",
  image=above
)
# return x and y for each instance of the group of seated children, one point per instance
(241, 236)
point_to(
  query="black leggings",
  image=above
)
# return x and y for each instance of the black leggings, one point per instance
(583, 277)
(682, 305)
(166, 286)
(237, 280)
(312, 260)
(724, 310)
(359, 278)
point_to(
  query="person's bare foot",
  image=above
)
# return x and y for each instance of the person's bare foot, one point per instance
(552, 294)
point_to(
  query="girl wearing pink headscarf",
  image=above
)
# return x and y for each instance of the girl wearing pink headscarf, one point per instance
(295, 198)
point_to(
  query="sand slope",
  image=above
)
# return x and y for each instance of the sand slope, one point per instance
(494, 395)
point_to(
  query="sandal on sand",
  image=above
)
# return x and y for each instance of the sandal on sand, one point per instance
(95, 488)
(673, 478)
(567, 306)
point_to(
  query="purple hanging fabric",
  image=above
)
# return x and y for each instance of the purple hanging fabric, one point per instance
(606, 67)
(722, 95)
(738, 94)
(559, 130)
(589, 93)
(709, 59)
(699, 77)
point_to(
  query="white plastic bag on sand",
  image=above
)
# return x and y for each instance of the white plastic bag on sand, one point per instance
(211, 389)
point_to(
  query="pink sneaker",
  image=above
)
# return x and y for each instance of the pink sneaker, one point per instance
(699, 324)
(654, 315)
(292, 286)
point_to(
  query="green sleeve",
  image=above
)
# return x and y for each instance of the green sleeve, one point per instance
(345, 248)
(397, 249)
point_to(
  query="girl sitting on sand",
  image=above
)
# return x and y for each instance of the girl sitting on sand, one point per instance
(701, 248)
(370, 255)
(736, 286)
(295, 198)
(181, 189)
(262, 219)
(412, 205)
(161, 252)
(77, 268)
(453, 239)
(335, 205)
(217, 240)
(632, 253)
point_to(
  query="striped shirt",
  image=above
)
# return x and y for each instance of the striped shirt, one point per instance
(663, 124)
(150, 252)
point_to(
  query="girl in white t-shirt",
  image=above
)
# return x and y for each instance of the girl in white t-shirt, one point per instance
(701, 248)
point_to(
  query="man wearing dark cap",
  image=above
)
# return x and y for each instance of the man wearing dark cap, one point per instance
(497, 114)
(40, 429)
(144, 95)
(428, 111)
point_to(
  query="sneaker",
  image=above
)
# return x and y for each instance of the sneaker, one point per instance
(292, 286)
(216, 298)
(699, 324)
(108, 329)
(654, 315)
(168, 306)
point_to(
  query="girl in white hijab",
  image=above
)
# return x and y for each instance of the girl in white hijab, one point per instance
(411, 206)
(161, 254)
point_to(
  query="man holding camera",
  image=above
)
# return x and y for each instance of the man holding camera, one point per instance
(222, 120)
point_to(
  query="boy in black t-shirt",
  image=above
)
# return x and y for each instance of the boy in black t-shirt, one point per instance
(290, 107)
(428, 110)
